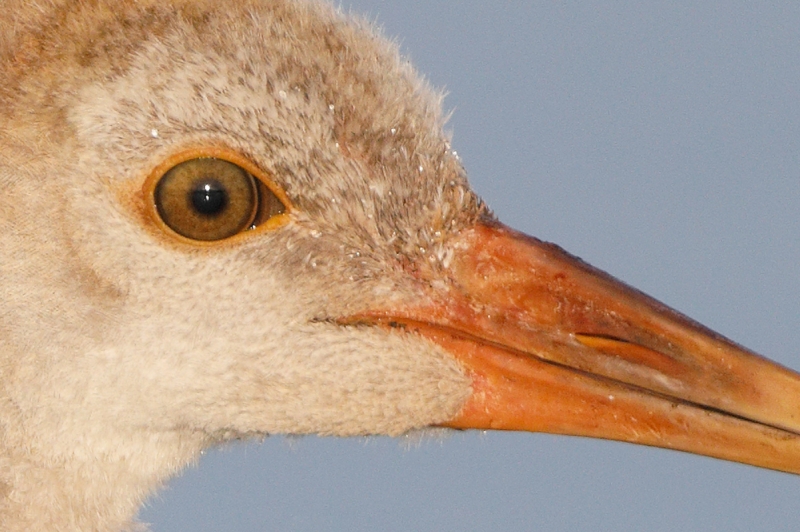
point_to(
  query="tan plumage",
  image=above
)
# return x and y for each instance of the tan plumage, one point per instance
(125, 350)
(87, 88)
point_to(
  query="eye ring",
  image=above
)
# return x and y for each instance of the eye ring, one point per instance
(211, 195)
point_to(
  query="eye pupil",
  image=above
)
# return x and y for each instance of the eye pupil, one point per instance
(209, 197)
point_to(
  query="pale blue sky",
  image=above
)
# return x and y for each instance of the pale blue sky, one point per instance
(659, 141)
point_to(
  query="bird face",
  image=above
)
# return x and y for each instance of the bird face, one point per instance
(362, 288)
(240, 334)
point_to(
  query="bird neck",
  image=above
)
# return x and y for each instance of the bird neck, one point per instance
(98, 486)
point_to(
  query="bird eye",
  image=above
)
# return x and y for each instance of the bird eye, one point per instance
(211, 199)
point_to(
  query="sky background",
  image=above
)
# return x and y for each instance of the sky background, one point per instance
(659, 141)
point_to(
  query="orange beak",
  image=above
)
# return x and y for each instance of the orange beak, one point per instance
(554, 345)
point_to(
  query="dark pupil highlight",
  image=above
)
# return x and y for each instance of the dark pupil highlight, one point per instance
(208, 197)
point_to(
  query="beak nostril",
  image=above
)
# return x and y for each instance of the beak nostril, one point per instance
(633, 353)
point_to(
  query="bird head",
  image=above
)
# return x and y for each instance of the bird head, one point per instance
(244, 218)
(241, 333)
